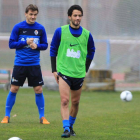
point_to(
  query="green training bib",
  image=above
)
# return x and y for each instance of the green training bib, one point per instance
(72, 52)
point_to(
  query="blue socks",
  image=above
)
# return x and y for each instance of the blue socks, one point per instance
(39, 99)
(66, 125)
(9, 103)
(72, 120)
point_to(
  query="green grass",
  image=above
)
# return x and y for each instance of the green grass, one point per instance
(102, 116)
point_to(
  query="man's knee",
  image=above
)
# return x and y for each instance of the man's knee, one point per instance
(38, 89)
(64, 102)
(75, 102)
(14, 88)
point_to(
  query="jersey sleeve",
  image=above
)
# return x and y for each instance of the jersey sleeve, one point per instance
(90, 47)
(55, 42)
(14, 43)
(91, 51)
(54, 48)
(43, 41)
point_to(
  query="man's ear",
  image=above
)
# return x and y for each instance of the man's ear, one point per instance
(69, 17)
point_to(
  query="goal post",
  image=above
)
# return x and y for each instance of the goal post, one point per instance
(107, 45)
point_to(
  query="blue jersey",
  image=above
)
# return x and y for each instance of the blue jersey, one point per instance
(25, 56)
(75, 32)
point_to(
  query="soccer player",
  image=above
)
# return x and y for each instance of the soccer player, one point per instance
(28, 38)
(72, 50)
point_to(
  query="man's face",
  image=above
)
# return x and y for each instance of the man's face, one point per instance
(31, 16)
(75, 18)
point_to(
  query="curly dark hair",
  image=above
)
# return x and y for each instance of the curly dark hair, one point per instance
(74, 7)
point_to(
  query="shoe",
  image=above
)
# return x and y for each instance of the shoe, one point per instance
(6, 119)
(43, 120)
(72, 133)
(66, 134)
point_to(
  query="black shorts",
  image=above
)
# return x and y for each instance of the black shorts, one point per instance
(32, 73)
(74, 83)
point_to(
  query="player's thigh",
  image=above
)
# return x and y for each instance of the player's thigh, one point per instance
(76, 89)
(35, 76)
(75, 95)
(18, 76)
(64, 88)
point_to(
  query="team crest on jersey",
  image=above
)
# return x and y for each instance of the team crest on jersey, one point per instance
(36, 32)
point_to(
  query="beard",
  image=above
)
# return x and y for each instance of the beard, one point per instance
(75, 23)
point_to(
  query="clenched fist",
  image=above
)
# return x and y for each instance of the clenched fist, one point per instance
(30, 41)
(33, 45)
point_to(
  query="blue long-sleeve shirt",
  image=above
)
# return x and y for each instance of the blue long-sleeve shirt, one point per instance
(25, 56)
(75, 32)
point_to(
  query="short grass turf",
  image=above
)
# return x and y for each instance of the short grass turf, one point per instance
(102, 116)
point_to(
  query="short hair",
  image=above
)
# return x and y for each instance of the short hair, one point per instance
(74, 7)
(32, 8)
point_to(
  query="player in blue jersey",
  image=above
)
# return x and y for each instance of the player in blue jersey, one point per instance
(73, 48)
(28, 38)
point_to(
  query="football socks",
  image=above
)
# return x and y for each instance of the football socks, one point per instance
(9, 103)
(39, 99)
(66, 125)
(72, 121)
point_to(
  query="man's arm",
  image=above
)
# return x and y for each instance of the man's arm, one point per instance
(91, 51)
(54, 48)
(14, 43)
(53, 52)
(53, 64)
(43, 41)
(88, 62)
(54, 71)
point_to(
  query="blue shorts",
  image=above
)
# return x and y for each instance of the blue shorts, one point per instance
(74, 83)
(32, 73)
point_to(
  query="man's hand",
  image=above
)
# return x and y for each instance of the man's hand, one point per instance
(33, 45)
(56, 76)
(30, 41)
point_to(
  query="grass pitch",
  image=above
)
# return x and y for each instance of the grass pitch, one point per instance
(102, 116)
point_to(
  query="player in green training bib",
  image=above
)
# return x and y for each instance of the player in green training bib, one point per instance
(75, 49)
(72, 50)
